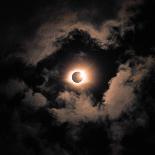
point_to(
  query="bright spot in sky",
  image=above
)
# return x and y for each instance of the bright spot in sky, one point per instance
(78, 77)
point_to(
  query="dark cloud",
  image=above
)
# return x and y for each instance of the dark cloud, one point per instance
(41, 114)
(121, 93)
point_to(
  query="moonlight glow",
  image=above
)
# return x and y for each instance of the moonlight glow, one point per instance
(77, 77)
(80, 76)
(83, 77)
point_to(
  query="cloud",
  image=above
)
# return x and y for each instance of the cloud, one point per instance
(36, 100)
(120, 98)
(122, 101)
(68, 17)
(77, 108)
(43, 42)
(121, 93)
(120, 108)
(12, 87)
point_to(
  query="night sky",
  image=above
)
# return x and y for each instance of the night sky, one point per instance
(43, 111)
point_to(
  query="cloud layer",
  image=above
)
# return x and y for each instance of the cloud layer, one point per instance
(40, 114)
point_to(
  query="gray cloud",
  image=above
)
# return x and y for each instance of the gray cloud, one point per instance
(121, 93)
(78, 108)
(36, 100)
(12, 87)
(120, 98)
(43, 42)
(118, 107)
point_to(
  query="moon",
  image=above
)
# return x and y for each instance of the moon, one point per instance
(77, 77)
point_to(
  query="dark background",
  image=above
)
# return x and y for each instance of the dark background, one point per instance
(27, 130)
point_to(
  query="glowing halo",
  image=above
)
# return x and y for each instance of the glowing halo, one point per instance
(86, 73)
(77, 77)
(83, 73)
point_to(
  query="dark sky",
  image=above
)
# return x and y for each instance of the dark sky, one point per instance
(40, 113)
